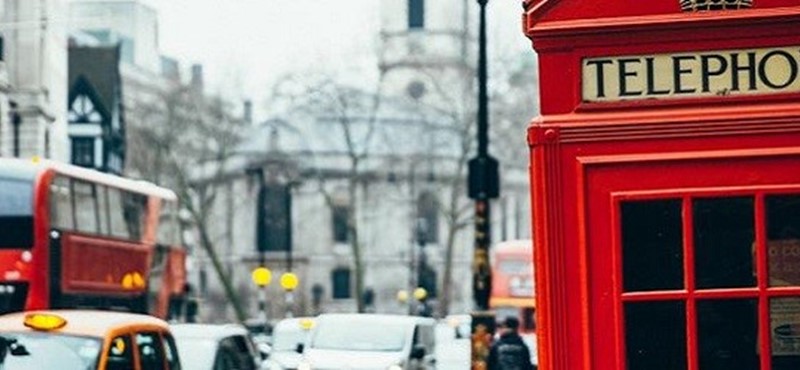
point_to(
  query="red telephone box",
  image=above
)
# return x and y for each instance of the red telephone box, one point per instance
(666, 184)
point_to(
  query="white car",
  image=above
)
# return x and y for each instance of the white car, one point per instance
(370, 341)
(289, 337)
(214, 347)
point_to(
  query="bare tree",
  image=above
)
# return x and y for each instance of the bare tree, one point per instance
(189, 139)
(511, 96)
(353, 119)
(350, 116)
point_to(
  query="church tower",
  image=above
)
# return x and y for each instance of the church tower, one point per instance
(428, 51)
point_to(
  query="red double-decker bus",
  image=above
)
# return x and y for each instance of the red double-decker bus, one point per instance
(512, 282)
(71, 237)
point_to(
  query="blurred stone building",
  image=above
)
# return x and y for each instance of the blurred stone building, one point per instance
(404, 188)
(410, 182)
(33, 75)
(145, 78)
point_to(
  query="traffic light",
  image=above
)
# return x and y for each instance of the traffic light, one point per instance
(483, 178)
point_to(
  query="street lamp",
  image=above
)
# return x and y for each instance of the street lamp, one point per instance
(483, 184)
(289, 282)
(262, 276)
(420, 294)
(402, 296)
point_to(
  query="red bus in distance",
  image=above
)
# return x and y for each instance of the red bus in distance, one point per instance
(512, 282)
(71, 237)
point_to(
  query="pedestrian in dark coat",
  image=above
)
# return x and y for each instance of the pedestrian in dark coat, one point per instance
(508, 351)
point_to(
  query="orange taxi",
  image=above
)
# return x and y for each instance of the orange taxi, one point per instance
(85, 339)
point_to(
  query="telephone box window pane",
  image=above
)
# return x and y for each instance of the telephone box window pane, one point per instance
(652, 251)
(784, 321)
(724, 232)
(727, 334)
(655, 335)
(783, 239)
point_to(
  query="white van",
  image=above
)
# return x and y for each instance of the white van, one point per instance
(370, 341)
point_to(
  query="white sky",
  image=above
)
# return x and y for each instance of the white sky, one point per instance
(244, 45)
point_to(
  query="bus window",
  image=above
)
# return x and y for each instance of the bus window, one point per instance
(116, 215)
(102, 209)
(16, 213)
(85, 206)
(135, 206)
(515, 266)
(168, 229)
(61, 215)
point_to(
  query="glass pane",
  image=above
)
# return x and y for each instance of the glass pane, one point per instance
(341, 283)
(16, 213)
(85, 206)
(102, 209)
(652, 250)
(783, 239)
(120, 355)
(116, 214)
(785, 332)
(724, 232)
(151, 354)
(655, 335)
(727, 334)
(61, 204)
(168, 228)
(135, 208)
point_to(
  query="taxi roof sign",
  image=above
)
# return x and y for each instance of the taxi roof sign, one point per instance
(44, 322)
(306, 324)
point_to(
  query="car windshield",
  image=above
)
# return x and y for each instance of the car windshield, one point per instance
(196, 353)
(22, 351)
(357, 336)
(288, 339)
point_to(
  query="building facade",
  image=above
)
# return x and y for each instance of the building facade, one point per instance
(33, 75)
(409, 203)
(404, 194)
(96, 117)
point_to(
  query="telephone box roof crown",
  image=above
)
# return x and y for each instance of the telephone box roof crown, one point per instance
(701, 5)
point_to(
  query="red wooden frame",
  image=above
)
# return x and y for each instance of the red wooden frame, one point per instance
(750, 144)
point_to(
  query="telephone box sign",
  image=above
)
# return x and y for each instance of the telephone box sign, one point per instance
(691, 75)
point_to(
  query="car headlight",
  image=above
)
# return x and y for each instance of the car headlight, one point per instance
(304, 366)
(394, 367)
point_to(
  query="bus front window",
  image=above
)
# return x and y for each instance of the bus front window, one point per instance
(16, 213)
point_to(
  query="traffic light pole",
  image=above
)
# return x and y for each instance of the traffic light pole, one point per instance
(483, 185)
